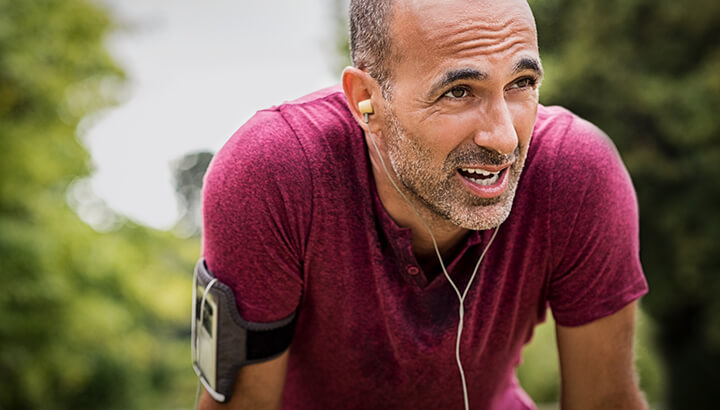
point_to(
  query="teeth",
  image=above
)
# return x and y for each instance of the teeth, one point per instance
(480, 172)
(489, 178)
(487, 181)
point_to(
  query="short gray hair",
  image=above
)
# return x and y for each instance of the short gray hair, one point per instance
(370, 45)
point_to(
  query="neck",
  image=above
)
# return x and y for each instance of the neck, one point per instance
(447, 235)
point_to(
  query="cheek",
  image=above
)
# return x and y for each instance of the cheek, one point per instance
(450, 130)
(523, 117)
(441, 135)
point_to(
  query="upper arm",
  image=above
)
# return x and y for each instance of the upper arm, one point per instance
(596, 363)
(257, 386)
(256, 218)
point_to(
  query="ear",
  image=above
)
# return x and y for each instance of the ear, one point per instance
(359, 86)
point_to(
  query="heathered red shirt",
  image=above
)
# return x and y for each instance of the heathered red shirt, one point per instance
(293, 222)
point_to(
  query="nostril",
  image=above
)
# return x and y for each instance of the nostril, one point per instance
(500, 143)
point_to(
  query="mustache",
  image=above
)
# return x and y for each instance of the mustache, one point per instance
(480, 156)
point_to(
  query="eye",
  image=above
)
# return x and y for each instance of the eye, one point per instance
(457, 92)
(525, 82)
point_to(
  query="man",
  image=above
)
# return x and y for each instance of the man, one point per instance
(368, 220)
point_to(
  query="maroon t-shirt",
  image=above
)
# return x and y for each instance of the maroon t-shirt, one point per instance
(293, 222)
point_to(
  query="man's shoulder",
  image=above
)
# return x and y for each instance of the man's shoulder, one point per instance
(579, 167)
(290, 144)
(285, 132)
(560, 124)
(571, 141)
(320, 119)
(574, 165)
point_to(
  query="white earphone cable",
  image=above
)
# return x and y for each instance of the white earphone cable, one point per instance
(461, 297)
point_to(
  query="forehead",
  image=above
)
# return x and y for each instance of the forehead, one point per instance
(436, 35)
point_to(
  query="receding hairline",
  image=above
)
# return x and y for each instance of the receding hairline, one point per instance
(382, 63)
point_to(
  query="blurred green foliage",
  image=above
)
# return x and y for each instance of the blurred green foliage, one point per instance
(648, 73)
(540, 376)
(99, 320)
(88, 320)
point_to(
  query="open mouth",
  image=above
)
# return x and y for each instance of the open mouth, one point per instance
(481, 176)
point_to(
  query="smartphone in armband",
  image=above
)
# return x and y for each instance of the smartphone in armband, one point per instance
(222, 341)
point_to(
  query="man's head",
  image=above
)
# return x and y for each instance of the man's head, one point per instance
(455, 93)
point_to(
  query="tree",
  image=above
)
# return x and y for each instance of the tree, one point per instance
(188, 173)
(648, 73)
(87, 320)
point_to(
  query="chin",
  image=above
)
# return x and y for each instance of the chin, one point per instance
(485, 216)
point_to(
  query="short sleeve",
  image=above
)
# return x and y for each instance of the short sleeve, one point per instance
(594, 230)
(257, 199)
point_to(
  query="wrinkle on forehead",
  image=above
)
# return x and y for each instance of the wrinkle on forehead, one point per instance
(465, 25)
(471, 47)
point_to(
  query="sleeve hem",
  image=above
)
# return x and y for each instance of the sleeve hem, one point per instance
(601, 310)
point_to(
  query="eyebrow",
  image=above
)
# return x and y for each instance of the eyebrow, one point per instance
(456, 75)
(525, 63)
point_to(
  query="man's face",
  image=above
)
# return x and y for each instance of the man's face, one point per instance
(462, 106)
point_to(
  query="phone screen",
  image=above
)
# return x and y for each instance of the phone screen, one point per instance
(206, 337)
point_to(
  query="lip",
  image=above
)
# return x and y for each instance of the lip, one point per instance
(488, 168)
(489, 191)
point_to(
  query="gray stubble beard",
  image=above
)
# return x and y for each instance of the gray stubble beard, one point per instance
(445, 199)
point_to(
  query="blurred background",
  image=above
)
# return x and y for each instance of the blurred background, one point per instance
(110, 111)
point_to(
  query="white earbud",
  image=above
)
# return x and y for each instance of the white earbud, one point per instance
(365, 107)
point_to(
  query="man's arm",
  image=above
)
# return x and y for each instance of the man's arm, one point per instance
(596, 363)
(257, 387)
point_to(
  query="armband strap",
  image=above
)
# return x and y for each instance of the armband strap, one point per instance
(222, 341)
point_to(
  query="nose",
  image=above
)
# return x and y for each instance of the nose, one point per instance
(496, 131)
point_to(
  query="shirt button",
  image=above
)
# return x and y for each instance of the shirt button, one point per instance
(413, 270)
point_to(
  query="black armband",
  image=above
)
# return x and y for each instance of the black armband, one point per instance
(222, 341)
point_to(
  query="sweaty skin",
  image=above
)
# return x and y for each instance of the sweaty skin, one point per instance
(462, 106)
